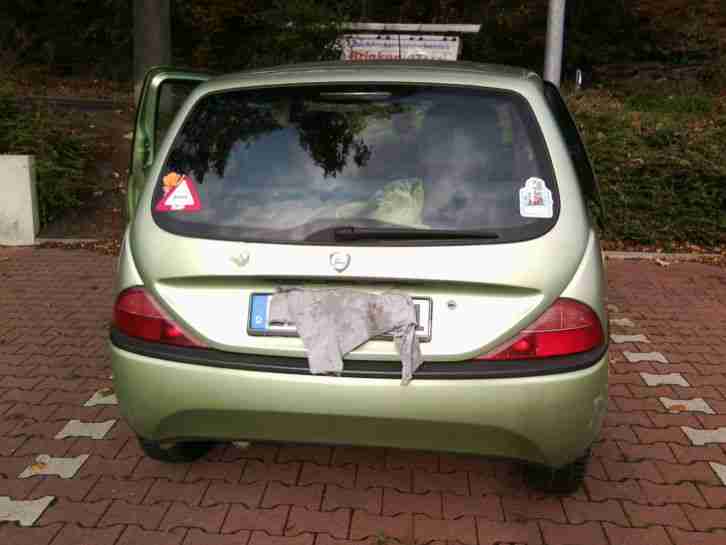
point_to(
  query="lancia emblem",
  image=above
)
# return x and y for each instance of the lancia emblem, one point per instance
(242, 259)
(339, 261)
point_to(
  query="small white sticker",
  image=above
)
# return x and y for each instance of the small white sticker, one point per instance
(535, 200)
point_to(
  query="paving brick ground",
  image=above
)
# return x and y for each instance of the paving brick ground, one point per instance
(656, 476)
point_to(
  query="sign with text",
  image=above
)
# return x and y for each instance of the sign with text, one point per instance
(370, 47)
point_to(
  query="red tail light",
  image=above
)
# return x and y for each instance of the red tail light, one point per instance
(136, 314)
(567, 327)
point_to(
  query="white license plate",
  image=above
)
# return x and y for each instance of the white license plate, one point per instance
(259, 322)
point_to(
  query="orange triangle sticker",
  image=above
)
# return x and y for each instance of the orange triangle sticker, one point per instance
(184, 197)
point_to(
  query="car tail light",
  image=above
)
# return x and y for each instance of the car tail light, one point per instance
(567, 327)
(136, 314)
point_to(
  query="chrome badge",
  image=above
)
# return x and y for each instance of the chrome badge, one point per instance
(339, 261)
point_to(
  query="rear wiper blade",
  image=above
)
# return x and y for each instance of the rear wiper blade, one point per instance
(393, 233)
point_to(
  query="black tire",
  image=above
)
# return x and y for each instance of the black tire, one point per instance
(563, 480)
(175, 453)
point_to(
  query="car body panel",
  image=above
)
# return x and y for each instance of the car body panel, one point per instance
(200, 284)
(550, 420)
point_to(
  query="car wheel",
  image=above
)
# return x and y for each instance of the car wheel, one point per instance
(175, 453)
(563, 480)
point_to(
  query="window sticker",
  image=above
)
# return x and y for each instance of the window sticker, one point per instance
(170, 181)
(535, 200)
(180, 195)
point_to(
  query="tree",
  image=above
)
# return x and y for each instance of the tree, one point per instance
(152, 38)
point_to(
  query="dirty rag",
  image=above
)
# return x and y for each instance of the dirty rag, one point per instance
(333, 322)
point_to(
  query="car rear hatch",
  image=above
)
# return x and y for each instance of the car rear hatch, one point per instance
(238, 211)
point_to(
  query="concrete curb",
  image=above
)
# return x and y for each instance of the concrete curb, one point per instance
(84, 104)
(41, 241)
(652, 256)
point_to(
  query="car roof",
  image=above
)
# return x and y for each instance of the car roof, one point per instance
(357, 71)
(387, 65)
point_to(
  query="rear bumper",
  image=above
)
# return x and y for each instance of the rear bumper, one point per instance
(355, 368)
(548, 419)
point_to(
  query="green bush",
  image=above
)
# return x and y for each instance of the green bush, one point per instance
(670, 104)
(660, 166)
(60, 155)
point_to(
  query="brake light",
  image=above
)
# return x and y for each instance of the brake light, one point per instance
(136, 314)
(567, 327)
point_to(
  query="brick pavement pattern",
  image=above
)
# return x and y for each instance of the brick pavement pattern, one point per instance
(649, 481)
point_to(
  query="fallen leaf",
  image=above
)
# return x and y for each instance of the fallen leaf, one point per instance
(105, 392)
(171, 180)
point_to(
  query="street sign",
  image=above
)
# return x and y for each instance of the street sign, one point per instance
(367, 47)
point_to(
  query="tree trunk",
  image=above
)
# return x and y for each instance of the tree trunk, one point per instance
(152, 38)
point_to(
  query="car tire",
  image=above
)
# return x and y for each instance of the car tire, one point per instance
(562, 480)
(175, 453)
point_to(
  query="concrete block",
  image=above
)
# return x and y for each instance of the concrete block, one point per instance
(619, 339)
(674, 379)
(622, 322)
(704, 437)
(19, 220)
(720, 470)
(65, 468)
(635, 357)
(24, 512)
(93, 430)
(102, 397)
(696, 404)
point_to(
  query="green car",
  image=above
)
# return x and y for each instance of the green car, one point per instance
(463, 186)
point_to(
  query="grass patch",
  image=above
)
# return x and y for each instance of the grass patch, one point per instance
(670, 104)
(660, 162)
(60, 154)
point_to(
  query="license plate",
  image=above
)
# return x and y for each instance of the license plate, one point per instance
(259, 321)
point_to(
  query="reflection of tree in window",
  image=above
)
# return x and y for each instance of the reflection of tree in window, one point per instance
(328, 132)
(329, 138)
(213, 129)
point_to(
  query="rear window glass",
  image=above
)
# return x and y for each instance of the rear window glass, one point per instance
(295, 164)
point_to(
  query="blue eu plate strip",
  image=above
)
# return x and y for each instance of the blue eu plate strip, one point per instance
(258, 316)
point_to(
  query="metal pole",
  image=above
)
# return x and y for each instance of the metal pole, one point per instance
(555, 41)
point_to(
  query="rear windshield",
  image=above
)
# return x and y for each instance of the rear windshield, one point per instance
(297, 165)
